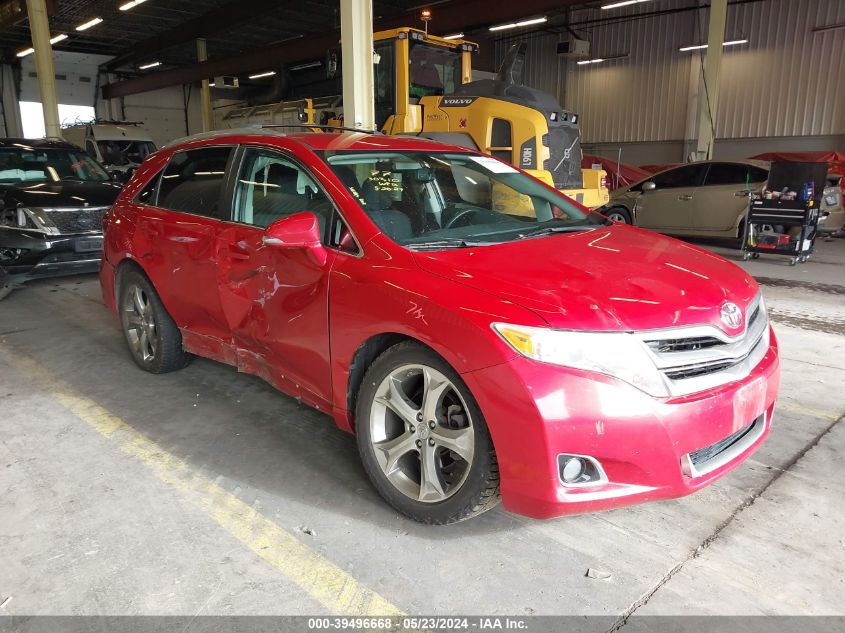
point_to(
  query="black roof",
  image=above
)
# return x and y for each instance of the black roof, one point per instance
(37, 142)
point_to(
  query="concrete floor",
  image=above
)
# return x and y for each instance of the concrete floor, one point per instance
(207, 492)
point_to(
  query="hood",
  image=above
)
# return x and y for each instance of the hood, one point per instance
(62, 194)
(608, 278)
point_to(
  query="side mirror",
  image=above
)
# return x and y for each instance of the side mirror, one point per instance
(649, 186)
(297, 231)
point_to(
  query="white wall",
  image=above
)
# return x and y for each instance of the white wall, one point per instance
(162, 112)
(781, 91)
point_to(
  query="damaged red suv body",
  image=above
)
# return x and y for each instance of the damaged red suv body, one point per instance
(482, 335)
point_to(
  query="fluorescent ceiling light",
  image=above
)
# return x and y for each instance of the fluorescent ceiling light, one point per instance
(454, 36)
(260, 75)
(25, 52)
(131, 5)
(150, 65)
(591, 61)
(513, 25)
(58, 38)
(211, 84)
(624, 3)
(307, 65)
(87, 25)
(702, 46)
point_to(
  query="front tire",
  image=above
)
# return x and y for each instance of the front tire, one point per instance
(422, 438)
(620, 215)
(151, 334)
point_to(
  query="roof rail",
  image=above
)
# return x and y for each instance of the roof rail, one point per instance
(319, 127)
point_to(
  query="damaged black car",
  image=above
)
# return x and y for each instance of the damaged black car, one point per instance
(52, 200)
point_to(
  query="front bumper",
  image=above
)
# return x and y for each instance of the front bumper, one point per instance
(49, 256)
(537, 411)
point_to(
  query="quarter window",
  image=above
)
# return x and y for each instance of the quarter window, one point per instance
(147, 194)
(192, 181)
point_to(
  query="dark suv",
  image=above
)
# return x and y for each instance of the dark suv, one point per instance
(52, 200)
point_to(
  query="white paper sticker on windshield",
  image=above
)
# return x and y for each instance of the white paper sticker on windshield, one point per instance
(496, 166)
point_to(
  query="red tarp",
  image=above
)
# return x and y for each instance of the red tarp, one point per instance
(835, 160)
(620, 175)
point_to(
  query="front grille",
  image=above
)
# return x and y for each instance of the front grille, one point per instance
(87, 220)
(701, 357)
(704, 455)
(705, 460)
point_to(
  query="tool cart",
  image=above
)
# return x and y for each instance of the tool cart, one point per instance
(783, 219)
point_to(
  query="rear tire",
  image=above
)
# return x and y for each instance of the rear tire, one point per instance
(151, 334)
(422, 438)
(620, 215)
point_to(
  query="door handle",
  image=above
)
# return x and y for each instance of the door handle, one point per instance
(741, 194)
(685, 197)
(234, 253)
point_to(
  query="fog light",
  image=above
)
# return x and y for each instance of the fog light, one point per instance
(572, 470)
(580, 470)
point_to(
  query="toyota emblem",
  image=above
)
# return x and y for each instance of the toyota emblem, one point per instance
(731, 315)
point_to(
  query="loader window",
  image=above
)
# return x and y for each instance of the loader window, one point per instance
(385, 83)
(435, 70)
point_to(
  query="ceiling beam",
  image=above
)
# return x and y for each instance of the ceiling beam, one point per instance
(224, 17)
(458, 15)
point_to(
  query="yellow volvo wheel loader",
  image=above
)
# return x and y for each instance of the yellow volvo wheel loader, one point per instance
(424, 86)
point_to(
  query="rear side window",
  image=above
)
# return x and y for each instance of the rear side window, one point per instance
(728, 174)
(686, 176)
(193, 180)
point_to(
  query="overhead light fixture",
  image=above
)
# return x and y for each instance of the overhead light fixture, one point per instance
(58, 38)
(131, 5)
(260, 75)
(150, 65)
(702, 46)
(591, 61)
(513, 25)
(315, 64)
(624, 3)
(454, 36)
(211, 84)
(25, 52)
(87, 25)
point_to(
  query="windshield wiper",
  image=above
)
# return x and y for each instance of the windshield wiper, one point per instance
(549, 230)
(445, 243)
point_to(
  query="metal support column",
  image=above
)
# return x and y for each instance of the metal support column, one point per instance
(356, 36)
(39, 28)
(708, 101)
(205, 91)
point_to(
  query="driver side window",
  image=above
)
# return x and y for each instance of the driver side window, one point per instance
(270, 186)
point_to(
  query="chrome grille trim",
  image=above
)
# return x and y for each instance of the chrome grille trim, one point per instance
(69, 220)
(701, 357)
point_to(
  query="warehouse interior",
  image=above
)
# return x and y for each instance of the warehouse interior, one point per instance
(234, 487)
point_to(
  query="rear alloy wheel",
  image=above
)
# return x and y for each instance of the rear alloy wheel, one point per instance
(422, 438)
(619, 214)
(153, 338)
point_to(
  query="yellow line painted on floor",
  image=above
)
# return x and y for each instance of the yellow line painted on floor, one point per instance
(324, 581)
(794, 407)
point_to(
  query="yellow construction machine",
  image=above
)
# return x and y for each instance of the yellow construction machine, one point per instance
(424, 86)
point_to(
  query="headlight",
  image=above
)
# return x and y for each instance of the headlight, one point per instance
(616, 354)
(34, 218)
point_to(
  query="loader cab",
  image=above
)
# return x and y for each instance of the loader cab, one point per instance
(412, 65)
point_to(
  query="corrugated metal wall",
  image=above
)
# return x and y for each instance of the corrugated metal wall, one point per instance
(787, 81)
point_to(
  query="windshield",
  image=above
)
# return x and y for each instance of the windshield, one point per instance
(24, 164)
(435, 70)
(125, 152)
(443, 199)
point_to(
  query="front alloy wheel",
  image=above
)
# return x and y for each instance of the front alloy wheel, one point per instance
(422, 433)
(423, 439)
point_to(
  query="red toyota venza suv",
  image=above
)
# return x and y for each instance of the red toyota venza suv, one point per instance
(482, 335)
